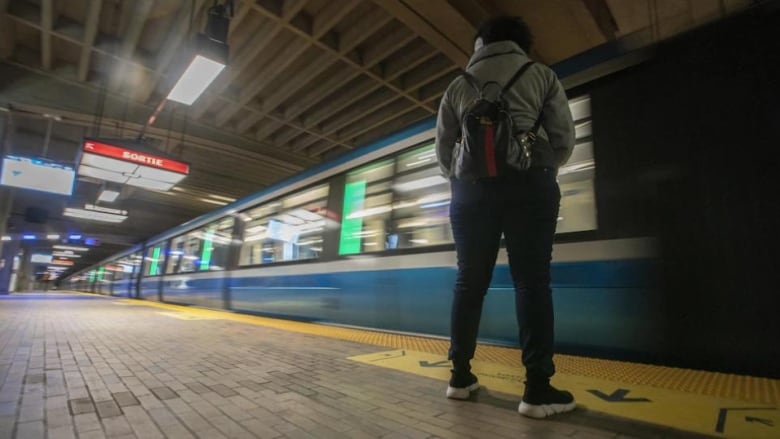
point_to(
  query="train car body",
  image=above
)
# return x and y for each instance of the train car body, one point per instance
(666, 243)
(365, 241)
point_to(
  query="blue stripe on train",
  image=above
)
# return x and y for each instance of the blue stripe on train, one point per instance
(600, 304)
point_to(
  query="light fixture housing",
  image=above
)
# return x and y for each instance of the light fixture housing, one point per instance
(94, 215)
(109, 193)
(208, 59)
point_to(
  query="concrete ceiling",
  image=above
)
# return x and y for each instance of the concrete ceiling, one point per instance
(307, 80)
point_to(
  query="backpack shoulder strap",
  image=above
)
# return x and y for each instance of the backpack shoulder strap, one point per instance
(472, 81)
(516, 76)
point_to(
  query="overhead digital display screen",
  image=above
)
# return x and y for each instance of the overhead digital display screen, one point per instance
(38, 175)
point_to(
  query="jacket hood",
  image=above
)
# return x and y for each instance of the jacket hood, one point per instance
(493, 49)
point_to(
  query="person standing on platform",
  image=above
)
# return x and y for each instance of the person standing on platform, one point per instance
(505, 184)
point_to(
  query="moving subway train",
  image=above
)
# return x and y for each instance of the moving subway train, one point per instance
(365, 241)
(667, 238)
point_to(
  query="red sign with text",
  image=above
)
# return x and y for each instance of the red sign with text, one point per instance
(128, 155)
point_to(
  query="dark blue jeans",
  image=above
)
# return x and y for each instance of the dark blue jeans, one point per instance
(524, 207)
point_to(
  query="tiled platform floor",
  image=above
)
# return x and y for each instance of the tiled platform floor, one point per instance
(77, 366)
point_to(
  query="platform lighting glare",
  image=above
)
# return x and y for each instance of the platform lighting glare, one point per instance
(28, 237)
(53, 236)
(94, 216)
(218, 203)
(6, 238)
(70, 247)
(221, 198)
(200, 73)
(108, 195)
(74, 237)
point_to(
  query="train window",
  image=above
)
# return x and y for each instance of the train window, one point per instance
(422, 199)
(396, 203)
(155, 256)
(578, 201)
(204, 249)
(288, 229)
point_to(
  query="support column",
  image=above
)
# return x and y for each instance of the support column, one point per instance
(6, 248)
(26, 272)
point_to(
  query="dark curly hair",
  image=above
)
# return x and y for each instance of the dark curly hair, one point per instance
(506, 28)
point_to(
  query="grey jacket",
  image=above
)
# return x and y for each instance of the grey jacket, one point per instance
(537, 89)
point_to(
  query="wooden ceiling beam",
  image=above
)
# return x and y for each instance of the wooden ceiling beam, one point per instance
(132, 35)
(388, 127)
(374, 20)
(602, 15)
(242, 12)
(289, 51)
(245, 57)
(432, 20)
(90, 33)
(346, 59)
(289, 9)
(329, 17)
(47, 22)
(393, 110)
(421, 75)
(407, 60)
(321, 24)
(268, 127)
(7, 37)
(103, 50)
(373, 121)
(256, 108)
(389, 44)
(368, 104)
(317, 65)
(428, 72)
(369, 24)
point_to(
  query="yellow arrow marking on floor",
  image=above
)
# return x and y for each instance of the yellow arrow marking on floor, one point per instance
(685, 411)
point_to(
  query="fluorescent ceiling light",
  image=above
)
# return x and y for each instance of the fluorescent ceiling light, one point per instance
(200, 73)
(74, 237)
(28, 237)
(104, 209)
(218, 203)
(65, 255)
(93, 215)
(108, 195)
(53, 236)
(220, 197)
(38, 258)
(70, 247)
(6, 238)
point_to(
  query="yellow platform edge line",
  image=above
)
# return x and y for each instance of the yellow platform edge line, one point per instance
(717, 384)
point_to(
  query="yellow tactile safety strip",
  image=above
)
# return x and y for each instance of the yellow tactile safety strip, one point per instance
(730, 386)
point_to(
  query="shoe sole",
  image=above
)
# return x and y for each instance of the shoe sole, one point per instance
(542, 411)
(461, 392)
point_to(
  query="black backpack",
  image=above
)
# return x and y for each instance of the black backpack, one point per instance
(485, 148)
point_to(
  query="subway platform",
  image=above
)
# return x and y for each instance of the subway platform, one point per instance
(86, 366)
